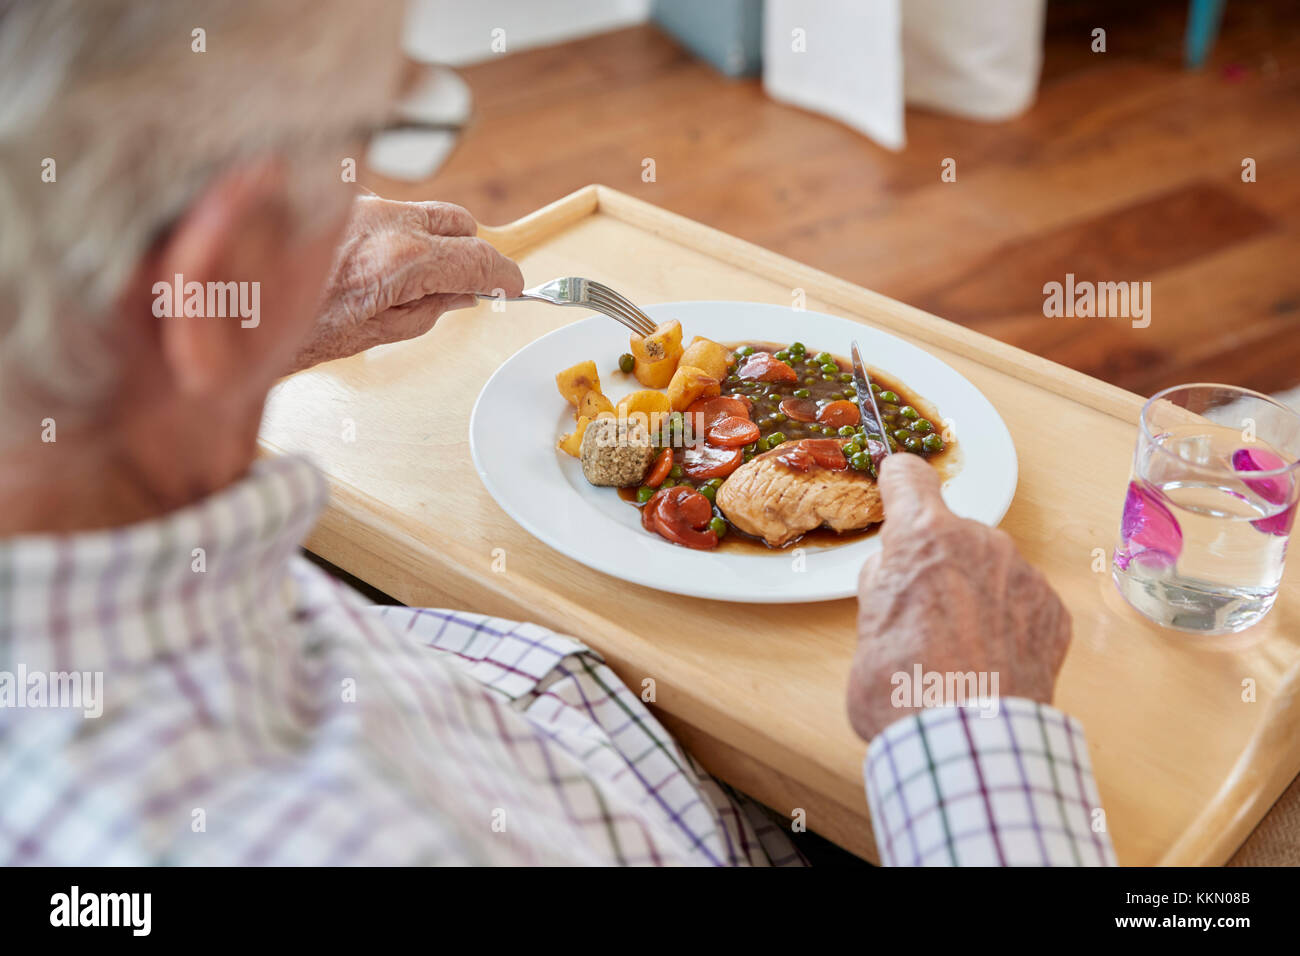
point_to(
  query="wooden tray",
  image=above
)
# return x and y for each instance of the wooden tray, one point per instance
(1186, 767)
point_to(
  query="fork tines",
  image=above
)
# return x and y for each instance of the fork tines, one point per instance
(620, 308)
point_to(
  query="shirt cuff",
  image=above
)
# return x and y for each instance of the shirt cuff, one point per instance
(1005, 782)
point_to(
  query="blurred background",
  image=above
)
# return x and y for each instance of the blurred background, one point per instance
(1120, 163)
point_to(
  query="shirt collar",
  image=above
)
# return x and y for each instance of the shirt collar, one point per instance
(92, 600)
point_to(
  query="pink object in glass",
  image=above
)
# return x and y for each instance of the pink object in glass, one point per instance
(1273, 490)
(1149, 532)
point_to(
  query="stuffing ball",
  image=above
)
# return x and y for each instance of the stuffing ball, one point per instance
(614, 456)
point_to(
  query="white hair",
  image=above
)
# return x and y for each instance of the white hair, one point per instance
(136, 121)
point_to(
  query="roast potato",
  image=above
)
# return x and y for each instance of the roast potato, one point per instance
(657, 355)
(572, 444)
(593, 403)
(647, 402)
(577, 381)
(705, 354)
(665, 341)
(690, 384)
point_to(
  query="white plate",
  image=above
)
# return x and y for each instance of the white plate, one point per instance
(519, 416)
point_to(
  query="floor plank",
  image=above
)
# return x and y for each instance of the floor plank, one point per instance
(1126, 169)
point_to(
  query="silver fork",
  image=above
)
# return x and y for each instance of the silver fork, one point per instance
(588, 293)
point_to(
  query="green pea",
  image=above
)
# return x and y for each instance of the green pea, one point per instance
(714, 483)
(745, 351)
(751, 448)
(850, 449)
(709, 492)
(932, 443)
(875, 389)
(675, 472)
(860, 461)
(830, 368)
(828, 377)
(780, 417)
(922, 427)
(846, 430)
(889, 396)
(645, 493)
(810, 380)
(798, 347)
(850, 392)
(824, 357)
(775, 439)
(626, 362)
(782, 355)
(901, 434)
(912, 443)
(718, 526)
(846, 376)
(907, 411)
(748, 456)
(762, 445)
(801, 393)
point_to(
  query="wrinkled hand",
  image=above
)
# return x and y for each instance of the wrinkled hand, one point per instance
(399, 267)
(949, 594)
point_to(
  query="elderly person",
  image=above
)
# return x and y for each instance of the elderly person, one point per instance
(253, 710)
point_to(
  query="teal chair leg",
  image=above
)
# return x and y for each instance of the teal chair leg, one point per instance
(1203, 18)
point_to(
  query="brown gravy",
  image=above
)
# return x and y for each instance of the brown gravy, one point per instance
(819, 385)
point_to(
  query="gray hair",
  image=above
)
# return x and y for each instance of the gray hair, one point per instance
(136, 121)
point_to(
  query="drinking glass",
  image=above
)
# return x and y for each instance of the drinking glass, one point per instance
(1209, 509)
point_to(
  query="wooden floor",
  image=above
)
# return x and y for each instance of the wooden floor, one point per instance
(1128, 168)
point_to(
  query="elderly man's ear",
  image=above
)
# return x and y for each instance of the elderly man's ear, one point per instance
(231, 261)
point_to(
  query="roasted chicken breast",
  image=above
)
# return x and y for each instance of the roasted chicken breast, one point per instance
(768, 498)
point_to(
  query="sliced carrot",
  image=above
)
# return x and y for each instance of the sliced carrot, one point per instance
(659, 470)
(713, 409)
(765, 367)
(800, 409)
(682, 516)
(707, 461)
(802, 455)
(732, 431)
(648, 513)
(837, 414)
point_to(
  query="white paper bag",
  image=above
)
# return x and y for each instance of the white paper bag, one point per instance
(859, 60)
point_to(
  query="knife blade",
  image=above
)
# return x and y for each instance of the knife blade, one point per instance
(877, 440)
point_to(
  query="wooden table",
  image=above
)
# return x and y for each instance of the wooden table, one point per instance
(1185, 765)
